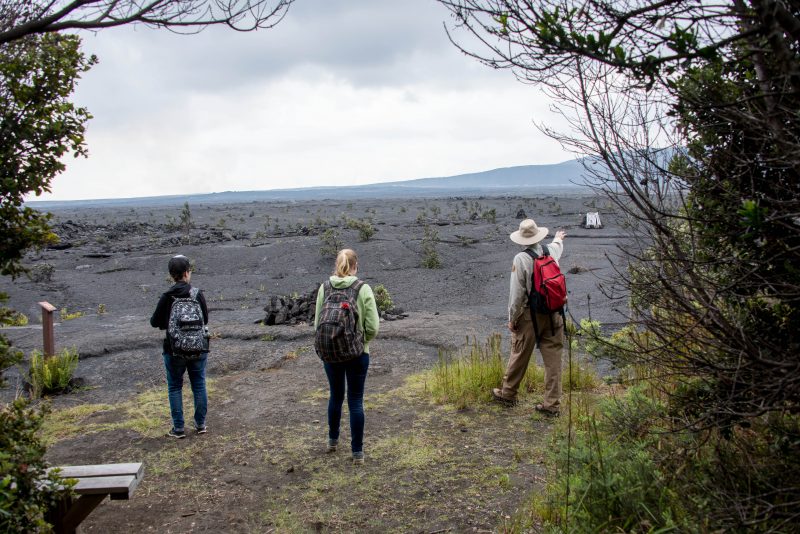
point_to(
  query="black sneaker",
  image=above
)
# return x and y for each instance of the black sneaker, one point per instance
(201, 429)
(178, 434)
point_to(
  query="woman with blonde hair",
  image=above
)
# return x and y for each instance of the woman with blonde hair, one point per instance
(345, 361)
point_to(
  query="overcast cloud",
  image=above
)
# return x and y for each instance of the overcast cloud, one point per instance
(345, 92)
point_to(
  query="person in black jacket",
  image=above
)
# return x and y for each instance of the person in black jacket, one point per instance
(181, 272)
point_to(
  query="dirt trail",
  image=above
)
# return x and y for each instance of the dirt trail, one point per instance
(263, 467)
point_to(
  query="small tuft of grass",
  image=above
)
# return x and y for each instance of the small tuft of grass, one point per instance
(67, 316)
(407, 451)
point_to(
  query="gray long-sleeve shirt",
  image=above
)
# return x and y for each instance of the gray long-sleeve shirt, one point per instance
(521, 272)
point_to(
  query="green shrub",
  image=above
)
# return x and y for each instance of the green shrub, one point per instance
(186, 218)
(608, 476)
(331, 244)
(430, 256)
(50, 375)
(8, 354)
(382, 298)
(41, 272)
(364, 226)
(13, 318)
(27, 490)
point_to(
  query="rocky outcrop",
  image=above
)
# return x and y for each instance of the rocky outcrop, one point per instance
(291, 310)
(395, 314)
(283, 310)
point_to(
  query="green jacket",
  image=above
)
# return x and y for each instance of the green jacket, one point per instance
(368, 318)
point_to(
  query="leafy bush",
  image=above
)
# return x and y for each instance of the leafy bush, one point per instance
(611, 481)
(27, 490)
(430, 257)
(41, 272)
(8, 355)
(382, 298)
(364, 226)
(186, 218)
(14, 318)
(50, 375)
(331, 244)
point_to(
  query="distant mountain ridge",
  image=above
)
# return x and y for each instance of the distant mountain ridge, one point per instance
(567, 173)
(496, 182)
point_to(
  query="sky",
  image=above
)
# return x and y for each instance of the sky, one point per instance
(341, 92)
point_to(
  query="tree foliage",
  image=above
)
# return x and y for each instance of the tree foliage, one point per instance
(19, 19)
(687, 113)
(27, 490)
(38, 126)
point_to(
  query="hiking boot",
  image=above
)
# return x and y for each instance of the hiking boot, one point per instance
(358, 458)
(332, 444)
(497, 395)
(178, 434)
(202, 429)
(549, 412)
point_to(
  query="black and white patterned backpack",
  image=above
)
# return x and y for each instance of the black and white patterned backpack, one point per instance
(186, 331)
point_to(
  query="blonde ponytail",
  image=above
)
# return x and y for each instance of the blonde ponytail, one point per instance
(346, 262)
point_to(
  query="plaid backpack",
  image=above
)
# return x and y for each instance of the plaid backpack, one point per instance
(186, 330)
(338, 338)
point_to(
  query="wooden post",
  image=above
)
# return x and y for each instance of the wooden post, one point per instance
(47, 329)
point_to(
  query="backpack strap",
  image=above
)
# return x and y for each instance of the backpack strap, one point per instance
(357, 285)
(194, 292)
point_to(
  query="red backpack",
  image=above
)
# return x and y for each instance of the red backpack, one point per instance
(548, 288)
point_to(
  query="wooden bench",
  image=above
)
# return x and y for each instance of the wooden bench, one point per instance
(95, 483)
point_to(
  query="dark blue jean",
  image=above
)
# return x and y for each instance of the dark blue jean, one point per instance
(354, 373)
(197, 379)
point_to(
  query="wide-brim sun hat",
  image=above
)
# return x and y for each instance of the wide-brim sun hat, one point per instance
(528, 233)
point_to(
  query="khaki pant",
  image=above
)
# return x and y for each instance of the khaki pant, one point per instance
(551, 346)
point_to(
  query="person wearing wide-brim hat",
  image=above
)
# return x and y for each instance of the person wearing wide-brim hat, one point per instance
(550, 328)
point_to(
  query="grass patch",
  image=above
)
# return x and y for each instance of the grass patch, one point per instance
(408, 451)
(146, 414)
(467, 377)
(171, 460)
(67, 316)
(68, 422)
